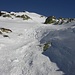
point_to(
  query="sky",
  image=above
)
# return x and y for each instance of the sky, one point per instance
(58, 8)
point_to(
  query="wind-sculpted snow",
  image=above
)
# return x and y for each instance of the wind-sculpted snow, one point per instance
(62, 50)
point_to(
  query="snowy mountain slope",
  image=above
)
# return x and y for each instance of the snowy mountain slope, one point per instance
(62, 50)
(21, 51)
(18, 16)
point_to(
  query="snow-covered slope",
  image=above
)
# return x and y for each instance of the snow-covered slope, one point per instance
(62, 50)
(13, 16)
(21, 47)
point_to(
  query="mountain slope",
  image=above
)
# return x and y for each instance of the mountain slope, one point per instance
(62, 50)
(20, 53)
(21, 49)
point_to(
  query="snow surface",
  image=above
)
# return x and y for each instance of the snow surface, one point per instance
(20, 53)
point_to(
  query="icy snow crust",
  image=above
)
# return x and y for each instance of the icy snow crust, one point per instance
(20, 53)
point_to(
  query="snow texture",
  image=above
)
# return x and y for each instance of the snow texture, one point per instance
(20, 53)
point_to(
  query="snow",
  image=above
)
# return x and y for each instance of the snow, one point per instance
(20, 53)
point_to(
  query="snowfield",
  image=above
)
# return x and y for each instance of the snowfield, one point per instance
(21, 54)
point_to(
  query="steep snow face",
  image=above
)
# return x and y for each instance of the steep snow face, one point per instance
(62, 50)
(20, 53)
